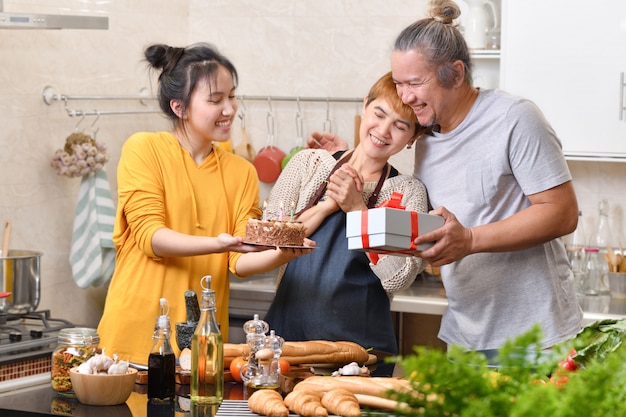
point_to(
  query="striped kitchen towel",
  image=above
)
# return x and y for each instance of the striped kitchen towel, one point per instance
(92, 255)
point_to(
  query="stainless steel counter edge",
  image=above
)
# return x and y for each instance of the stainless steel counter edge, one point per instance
(423, 297)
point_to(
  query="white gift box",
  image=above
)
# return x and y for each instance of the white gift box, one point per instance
(389, 230)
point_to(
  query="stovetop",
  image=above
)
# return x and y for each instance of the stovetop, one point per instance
(24, 335)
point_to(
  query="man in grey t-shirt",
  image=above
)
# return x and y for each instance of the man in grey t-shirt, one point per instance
(495, 171)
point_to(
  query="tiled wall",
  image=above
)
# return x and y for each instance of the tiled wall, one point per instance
(75, 62)
(25, 368)
(325, 48)
(594, 181)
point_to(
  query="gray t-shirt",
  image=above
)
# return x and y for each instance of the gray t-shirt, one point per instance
(483, 171)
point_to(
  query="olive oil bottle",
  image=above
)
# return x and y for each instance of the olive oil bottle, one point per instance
(207, 353)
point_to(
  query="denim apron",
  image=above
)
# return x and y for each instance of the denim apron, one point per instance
(332, 294)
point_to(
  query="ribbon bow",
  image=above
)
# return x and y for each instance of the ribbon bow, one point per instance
(394, 202)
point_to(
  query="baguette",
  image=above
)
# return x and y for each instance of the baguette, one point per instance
(372, 401)
(373, 386)
(232, 351)
(324, 351)
(308, 352)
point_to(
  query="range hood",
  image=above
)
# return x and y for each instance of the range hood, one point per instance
(13, 20)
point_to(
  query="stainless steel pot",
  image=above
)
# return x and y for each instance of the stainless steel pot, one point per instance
(20, 273)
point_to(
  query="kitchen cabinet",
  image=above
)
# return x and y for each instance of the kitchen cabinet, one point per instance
(485, 60)
(416, 329)
(486, 69)
(568, 56)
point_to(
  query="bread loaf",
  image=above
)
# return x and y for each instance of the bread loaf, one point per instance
(324, 351)
(234, 350)
(371, 401)
(373, 386)
(369, 392)
(308, 352)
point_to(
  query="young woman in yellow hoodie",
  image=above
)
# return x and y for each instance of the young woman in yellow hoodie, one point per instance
(183, 204)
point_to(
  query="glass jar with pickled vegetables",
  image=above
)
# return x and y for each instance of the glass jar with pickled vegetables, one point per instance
(75, 346)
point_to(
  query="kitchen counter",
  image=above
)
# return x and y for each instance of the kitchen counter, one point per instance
(425, 296)
(42, 400)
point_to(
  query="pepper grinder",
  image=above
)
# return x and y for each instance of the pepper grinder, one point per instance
(268, 365)
(275, 344)
(255, 330)
(266, 376)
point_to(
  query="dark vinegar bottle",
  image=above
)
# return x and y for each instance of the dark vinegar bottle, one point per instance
(161, 361)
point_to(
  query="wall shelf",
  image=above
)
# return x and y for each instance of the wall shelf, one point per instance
(485, 53)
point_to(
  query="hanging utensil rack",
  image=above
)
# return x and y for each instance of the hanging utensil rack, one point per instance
(50, 95)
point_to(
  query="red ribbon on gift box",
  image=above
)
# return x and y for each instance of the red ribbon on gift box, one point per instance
(394, 202)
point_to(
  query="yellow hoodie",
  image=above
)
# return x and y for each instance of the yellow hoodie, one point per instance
(159, 185)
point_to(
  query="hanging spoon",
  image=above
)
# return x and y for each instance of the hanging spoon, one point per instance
(244, 148)
(6, 238)
(299, 139)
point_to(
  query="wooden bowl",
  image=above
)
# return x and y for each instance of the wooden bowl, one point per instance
(103, 389)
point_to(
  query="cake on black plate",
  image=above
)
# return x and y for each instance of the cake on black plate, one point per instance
(274, 232)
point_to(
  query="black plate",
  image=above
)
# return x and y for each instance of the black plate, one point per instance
(283, 247)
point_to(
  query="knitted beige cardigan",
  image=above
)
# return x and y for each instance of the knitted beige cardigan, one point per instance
(302, 177)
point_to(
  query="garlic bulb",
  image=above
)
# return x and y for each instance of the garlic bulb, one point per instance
(85, 368)
(101, 363)
(118, 367)
(352, 368)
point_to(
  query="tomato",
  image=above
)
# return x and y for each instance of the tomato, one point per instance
(235, 368)
(284, 365)
(569, 364)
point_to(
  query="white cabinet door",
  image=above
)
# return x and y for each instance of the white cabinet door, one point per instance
(569, 57)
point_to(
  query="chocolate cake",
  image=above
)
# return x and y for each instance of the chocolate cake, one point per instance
(274, 233)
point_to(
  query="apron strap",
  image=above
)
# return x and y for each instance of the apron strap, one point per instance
(322, 188)
(371, 203)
